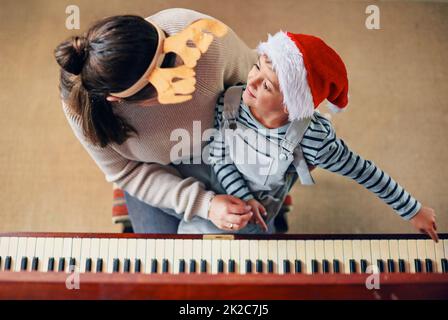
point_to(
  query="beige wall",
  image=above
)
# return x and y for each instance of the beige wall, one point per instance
(397, 115)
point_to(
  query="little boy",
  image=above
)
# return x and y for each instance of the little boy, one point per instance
(269, 134)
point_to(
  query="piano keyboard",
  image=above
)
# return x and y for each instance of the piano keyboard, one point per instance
(222, 254)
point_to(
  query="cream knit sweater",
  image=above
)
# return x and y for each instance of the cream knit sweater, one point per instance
(139, 166)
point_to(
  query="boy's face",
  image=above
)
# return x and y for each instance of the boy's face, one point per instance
(263, 91)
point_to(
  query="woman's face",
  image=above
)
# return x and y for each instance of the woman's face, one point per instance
(263, 92)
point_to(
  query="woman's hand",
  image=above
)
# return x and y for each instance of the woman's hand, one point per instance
(229, 213)
(258, 210)
(425, 222)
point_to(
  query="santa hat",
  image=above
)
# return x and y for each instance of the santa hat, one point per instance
(308, 71)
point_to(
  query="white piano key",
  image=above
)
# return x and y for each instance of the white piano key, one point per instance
(282, 255)
(301, 254)
(122, 253)
(366, 252)
(225, 254)
(104, 254)
(30, 252)
(310, 255)
(76, 253)
(394, 253)
(357, 254)
(85, 254)
(155, 249)
(67, 253)
(438, 248)
(197, 254)
(430, 254)
(235, 254)
(376, 252)
(169, 254)
(216, 255)
(95, 245)
(348, 254)
(273, 255)
(412, 252)
(13, 247)
(319, 250)
(253, 254)
(421, 253)
(263, 253)
(329, 253)
(244, 255)
(141, 254)
(131, 253)
(291, 253)
(403, 253)
(207, 254)
(112, 254)
(384, 252)
(188, 253)
(48, 253)
(445, 248)
(21, 252)
(339, 254)
(4, 246)
(178, 254)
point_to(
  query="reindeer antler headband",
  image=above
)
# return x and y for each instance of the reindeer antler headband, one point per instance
(176, 85)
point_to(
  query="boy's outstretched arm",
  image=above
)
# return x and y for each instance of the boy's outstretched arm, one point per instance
(322, 148)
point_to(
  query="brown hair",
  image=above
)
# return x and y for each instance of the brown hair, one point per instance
(110, 57)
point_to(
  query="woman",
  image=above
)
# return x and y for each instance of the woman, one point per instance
(129, 138)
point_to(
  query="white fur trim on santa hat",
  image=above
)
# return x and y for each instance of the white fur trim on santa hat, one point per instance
(287, 62)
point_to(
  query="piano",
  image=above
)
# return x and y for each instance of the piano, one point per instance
(160, 266)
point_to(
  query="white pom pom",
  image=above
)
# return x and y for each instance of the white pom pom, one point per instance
(334, 108)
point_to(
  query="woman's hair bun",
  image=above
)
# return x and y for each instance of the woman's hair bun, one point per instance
(72, 54)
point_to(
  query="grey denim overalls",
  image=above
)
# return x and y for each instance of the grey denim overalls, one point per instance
(270, 169)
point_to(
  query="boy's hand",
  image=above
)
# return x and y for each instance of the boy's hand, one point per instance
(425, 222)
(258, 210)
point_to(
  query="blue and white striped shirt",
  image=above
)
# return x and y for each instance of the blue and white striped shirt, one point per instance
(321, 148)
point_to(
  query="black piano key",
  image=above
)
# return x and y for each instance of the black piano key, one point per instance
(192, 266)
(314, 266)
(99, 265)
(116, 265)
(444, 265)
(380, 265)
(72, 264)
(89, 265)
(154, 265)
(203, 266)
(138, 265)
(363, 265)
(61, 265)
(298, 266)
(352, 264)
(127, 265)
(248, 266)
(401, 266)
(270, 266)
(428, 263)
(165, 265)
(51, 264)
(286, 266)
(24, 264)
(418, 265)
(325, 266)
(181, 266)
(8, 263)
(390, 266)
(336, 268)
(259, 266)
(220, 266)
(231, 266)
(35, 263)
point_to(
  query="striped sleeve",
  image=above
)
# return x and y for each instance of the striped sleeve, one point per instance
(225, 170)
(327, 151)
